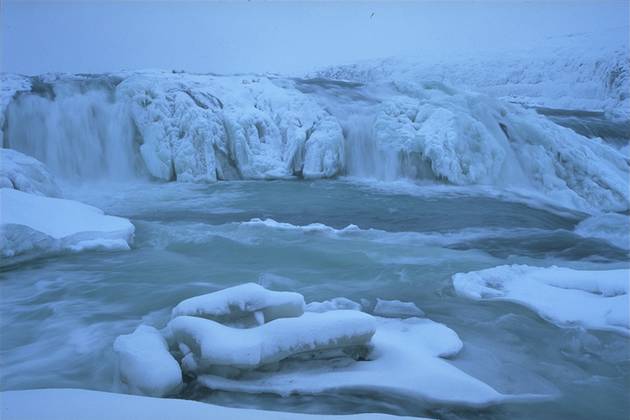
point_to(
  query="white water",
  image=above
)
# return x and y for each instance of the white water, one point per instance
(78, 131)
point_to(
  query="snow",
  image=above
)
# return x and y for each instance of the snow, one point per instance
(588, 72)
(472, 139)
(612, 228)
(406, 360)
(145, 365)
(213, 344)
(241, 304)
(333, 304)
(592, 299)
(26, 174)
(31, 222)
(396, 309)
(64, 404)
(204, 128)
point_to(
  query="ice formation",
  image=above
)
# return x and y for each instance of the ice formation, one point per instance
(396, 309)
(203, 128)
(242, 303)
(212, 344)
(612, 228)
(145, 365)
(333, 347)
(27, 174)
(593, 299)
(30, 222)
(63, 404)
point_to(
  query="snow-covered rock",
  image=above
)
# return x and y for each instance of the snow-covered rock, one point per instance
(611, 227)
(10, 84)
(406, 360)
(247, 303)
(64, 404)
(145, 365)
(31, 222)
(593, 299)
(27, 174)
(396, 309)
(212, 344)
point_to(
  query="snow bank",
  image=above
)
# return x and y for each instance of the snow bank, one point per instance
(589, 72)
(593, 299)
(612, 228)
(213, 344)
(24, 173)
(243, 303)
(406, 360)
(145, 365)
(204, 128)
(396, 309)
(64, 404)
(30, 222)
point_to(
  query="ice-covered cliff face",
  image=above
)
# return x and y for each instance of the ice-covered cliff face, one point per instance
(203, 128)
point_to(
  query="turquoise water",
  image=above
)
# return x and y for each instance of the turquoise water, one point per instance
(61, 313)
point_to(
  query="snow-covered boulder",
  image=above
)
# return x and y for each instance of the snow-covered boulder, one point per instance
(396, 309)
(333, 304)
(247, 303)
(64, 404)
(212, 344)
(30, 222)
(25, 173)
(593, 299)
(406, 360)
(145, 365)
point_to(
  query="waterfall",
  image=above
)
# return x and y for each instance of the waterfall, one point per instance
(79, 132)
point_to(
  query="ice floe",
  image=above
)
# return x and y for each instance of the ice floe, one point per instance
(592, 299)
(396, 309)
(64, 404)
(30, 222)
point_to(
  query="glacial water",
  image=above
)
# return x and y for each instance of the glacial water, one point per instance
(60, 313)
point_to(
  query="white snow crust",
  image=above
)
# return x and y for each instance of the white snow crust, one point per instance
(145, 365)
(241, 303)
(31, 222)
(213, 344)
(592, 299)
(24, 173)
(613, 228)
(396, 309)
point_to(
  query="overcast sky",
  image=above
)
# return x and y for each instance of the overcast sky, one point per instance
(93, 36)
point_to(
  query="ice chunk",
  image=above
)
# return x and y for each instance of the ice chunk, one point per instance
(396, 309)
(31, 222)
(25, 173)
(63, 404)
(145, 365)
(333, 304)
(612, 228)
(406, 361)
(246, 302)
(213, 344)
(594, 299)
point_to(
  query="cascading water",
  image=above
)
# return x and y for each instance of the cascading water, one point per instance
(78, 132)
